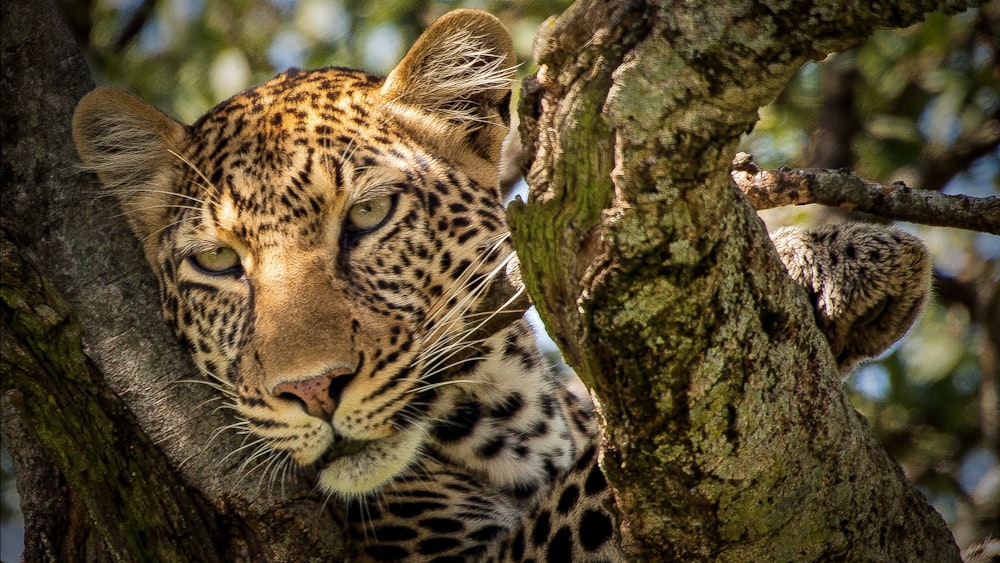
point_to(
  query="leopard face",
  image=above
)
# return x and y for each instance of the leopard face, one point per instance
(319, 237)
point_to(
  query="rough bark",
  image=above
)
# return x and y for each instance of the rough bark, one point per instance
(727, 434)
(135, 501)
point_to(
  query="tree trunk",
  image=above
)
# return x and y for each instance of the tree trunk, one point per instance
(727, 434)
(731, 437)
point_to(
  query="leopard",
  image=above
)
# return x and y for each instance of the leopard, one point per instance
(324, 243)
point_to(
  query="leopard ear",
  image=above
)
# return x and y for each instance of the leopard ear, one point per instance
(461, 69)
(133, 148)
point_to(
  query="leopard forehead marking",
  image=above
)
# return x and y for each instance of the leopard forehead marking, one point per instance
(270, 160)
(297, 201)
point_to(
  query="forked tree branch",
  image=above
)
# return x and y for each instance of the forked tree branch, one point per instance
(727, 436)
(767, 189)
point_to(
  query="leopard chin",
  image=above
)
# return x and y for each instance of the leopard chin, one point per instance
(342, 448)
(353, 468)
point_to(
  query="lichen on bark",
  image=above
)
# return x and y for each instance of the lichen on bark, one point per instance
(727, 435)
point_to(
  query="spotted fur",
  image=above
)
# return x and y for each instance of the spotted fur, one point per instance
(323, 243)
(867, 283)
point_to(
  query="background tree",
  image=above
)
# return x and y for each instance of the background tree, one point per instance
(927, 96)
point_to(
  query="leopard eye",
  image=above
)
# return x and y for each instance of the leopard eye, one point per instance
(219, 260)
(371, 214)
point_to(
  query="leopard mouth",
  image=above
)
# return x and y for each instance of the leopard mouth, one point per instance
(343, 448)
(351, 467)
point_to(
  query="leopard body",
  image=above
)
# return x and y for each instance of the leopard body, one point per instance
(323, 243)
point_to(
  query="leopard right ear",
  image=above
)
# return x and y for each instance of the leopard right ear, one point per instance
(133, 148)
(461, 69)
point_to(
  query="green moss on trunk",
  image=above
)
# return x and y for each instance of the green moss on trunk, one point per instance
(727, 435)
(132, 495)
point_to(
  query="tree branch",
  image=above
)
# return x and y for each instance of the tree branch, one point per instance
(131, 492)
(135, 24)
(727, 434)
(844, 189)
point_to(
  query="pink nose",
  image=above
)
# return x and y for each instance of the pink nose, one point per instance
(318, 394)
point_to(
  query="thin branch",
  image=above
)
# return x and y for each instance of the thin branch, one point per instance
(844, 189)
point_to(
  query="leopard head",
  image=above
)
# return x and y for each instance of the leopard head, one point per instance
(317, 238)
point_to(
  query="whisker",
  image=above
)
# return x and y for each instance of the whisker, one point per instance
(456, 311)
(446, 352)
(159, 206)
(254, 444)
(245, 470)
(225, 390)
(443, 383)
(196, 170)
(211, 439)
(144, 190)
(155, 233)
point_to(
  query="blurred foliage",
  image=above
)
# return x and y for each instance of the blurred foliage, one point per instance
(190, 54)
(920, 105)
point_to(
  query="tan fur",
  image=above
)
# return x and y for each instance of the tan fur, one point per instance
(460, 69)
(869, 283)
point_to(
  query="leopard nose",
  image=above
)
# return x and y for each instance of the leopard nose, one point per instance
(318, 395)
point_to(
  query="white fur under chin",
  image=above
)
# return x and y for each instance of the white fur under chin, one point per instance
(373, 467)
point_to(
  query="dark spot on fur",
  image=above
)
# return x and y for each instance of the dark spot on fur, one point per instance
(595, 529)
(383, 552)
(436, 545)
(584, 459)
(561, 547)
(596, 481)
(459, 424)
(411, 509)
(509, 407)
(442, 525)
(568, 499)
(540, 532)
(394, 533)
(548, 406)
(487, 533)
(517, 546)
(493, 448)
(522, 490)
